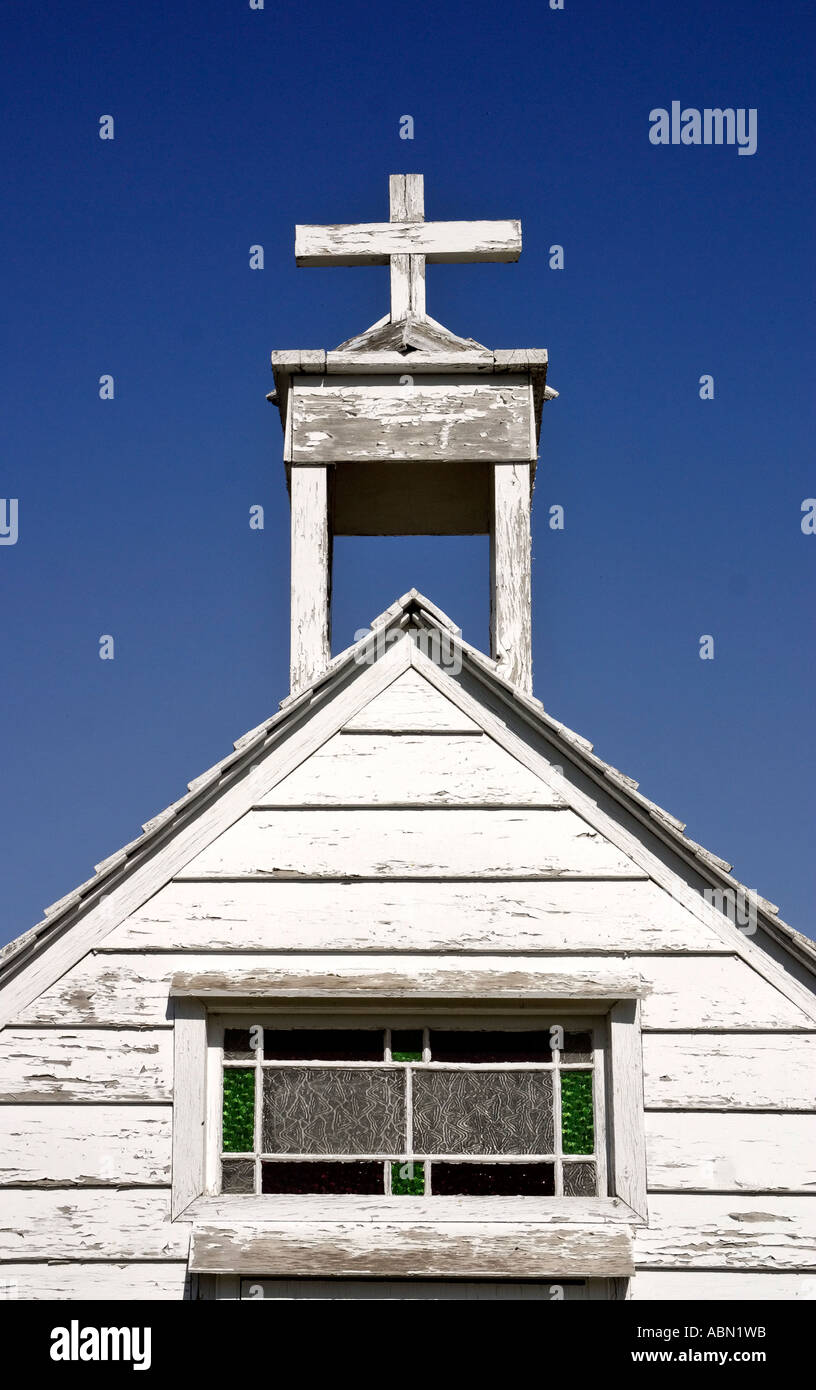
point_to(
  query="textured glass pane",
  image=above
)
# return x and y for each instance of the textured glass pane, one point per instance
(577, 1128)
(577, 1047)
(580, 1180)
(406, 1045)
(461, 1045)
(333, 1110)
(408, 1179)
(491, 1112)
(492, 1179)
(239, 1110)
(323, 1045)
(238, 1175)
(323, 1177)
(236, 1044)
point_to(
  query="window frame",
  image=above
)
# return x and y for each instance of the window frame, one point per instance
(618, 1092)
(426, 1020)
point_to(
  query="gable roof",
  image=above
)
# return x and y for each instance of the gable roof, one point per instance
(412, 612)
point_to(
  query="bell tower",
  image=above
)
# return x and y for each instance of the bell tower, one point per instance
(408, 429)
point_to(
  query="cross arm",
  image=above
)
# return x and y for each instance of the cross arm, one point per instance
(373, 243)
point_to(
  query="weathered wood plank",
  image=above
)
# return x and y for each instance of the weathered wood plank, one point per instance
(48, 1064)
(487, 1250)
(371, 243)
(700, 1152)
(510, 575)
(95, 1281)
(411, 705)
(711, 1286)
(67, 1145)
(326, 977)
(310, 651)
(90, 1224)
(411, 844)
(687, 992)
(482, 420)
(391, 360)
(730, 1071)
(728, 1232)
(627, 1150)
(407, 204)
(564, 915)
(422, 770)
(189, 1102)
(548, 1211)
(718, 993)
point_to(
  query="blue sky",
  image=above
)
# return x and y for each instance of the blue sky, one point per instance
(130, 257)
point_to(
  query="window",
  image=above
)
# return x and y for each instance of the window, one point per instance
(434, 1109)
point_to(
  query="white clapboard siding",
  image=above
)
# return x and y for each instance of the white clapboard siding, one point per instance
(410, 704)
(732, 1231)
(96, 1280)
(703, 1152)
(78, 1146)
(412, 769)
(710, 1286)
(557, 915)
(688, 992)
(411, 844)
(44, 1064)
(90, 1224)
(758, 1071)
(714, 992)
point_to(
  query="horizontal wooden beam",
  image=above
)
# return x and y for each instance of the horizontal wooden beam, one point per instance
(280, 1209)
(373, 243)
(316, 361)
(328, 978)
(348, 1250)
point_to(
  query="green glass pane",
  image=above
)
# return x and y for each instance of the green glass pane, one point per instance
(239, 1110)
(406, 1045)
(577, 1128)
(408, 1179)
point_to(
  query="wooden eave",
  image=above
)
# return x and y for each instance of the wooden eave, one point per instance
(343, 362)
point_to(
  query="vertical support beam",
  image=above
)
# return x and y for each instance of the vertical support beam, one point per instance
(310, 632)
(189, 1074)
(510, 577)
(406, 194)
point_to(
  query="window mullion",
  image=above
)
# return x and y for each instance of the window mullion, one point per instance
(557, 1138)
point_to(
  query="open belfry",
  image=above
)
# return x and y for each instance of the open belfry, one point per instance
(408, 429)
(410, 995)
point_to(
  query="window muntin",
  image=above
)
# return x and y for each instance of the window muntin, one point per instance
(494, 1110)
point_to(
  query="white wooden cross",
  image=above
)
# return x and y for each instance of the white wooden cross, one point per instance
(407, 242)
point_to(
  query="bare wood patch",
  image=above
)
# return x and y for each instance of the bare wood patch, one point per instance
(488, 1250)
